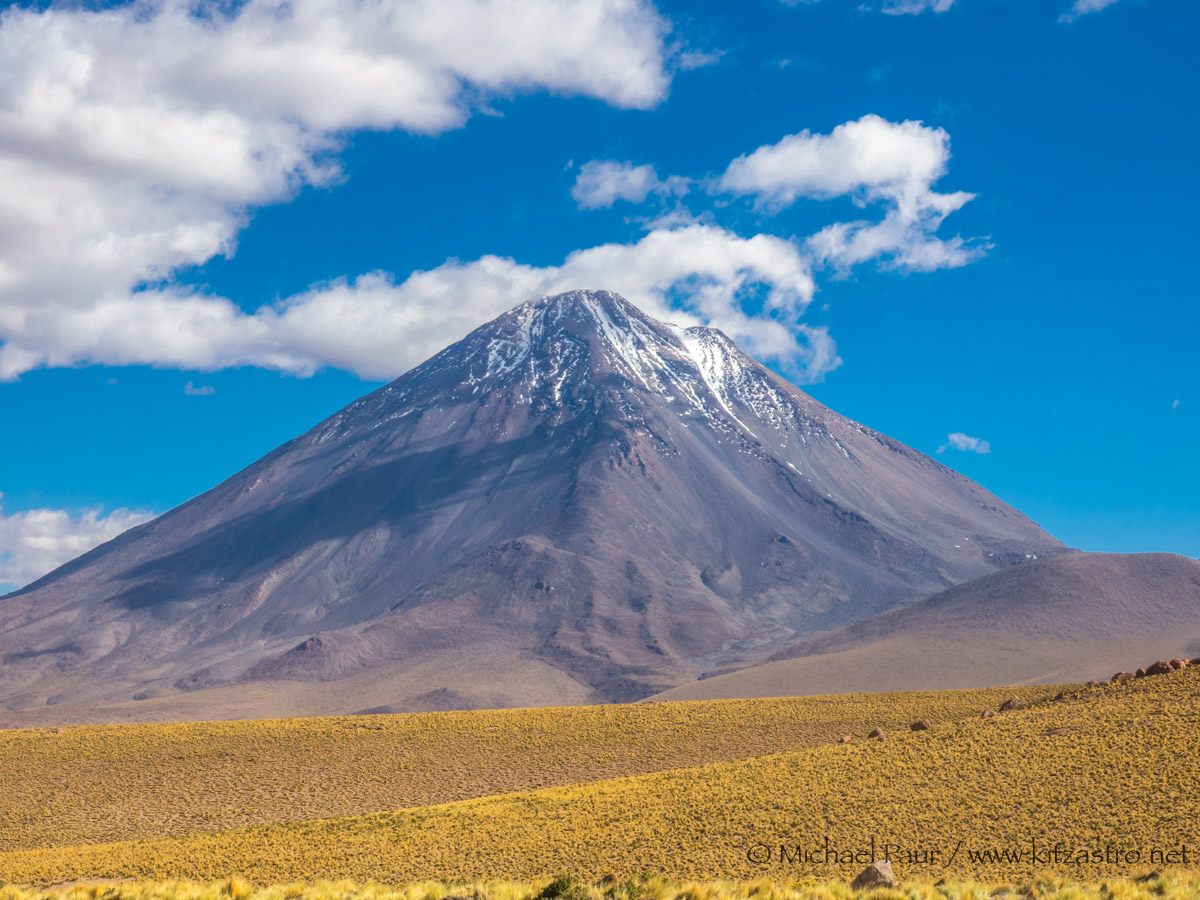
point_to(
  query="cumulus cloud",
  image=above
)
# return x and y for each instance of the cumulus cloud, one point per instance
(378, 327)
(1083, 7)
(873, 161)
(966, 443)
(602, 182)
(37, 541)
(136, 139)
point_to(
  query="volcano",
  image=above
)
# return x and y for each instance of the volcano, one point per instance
(575, 503)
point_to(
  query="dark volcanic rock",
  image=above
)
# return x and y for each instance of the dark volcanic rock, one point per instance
(878, 874)
(574, 503)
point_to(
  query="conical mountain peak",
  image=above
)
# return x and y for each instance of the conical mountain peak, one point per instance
(568, 351)
(575, 502)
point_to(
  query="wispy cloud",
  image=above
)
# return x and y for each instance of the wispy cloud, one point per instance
(193, 390)
(966, 443)
(1083, 7)
(915, 7)
(36, 541)
(892, 7)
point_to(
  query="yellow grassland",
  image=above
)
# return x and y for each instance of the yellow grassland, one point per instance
(1169, 885)
(98, 784)
(1110, 770)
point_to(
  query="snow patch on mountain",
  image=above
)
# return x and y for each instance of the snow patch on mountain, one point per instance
(548, 353)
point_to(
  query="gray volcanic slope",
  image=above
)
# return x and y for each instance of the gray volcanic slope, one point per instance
(1067, 618)
(575, 503)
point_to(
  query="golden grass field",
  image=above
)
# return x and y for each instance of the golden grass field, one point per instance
(1109, 770)
(101, 783)
(1159, 886)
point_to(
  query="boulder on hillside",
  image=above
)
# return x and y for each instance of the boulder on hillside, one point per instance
(987, 714)
(920, 725)
(1177, 664)
(1162, 667)
(1140, 673)
(877, 734)
(1121, 676)
(878, 874)
(1012, 703)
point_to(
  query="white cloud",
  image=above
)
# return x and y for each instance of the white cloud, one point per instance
(896, 7)
(1083, 7)
(136, 139)
(602, 182)
(915, 7)
(868, 153)
(966, 443)
(871, 160)
(194, 390)
(37, 541)
(1175, 405)
(379, 328)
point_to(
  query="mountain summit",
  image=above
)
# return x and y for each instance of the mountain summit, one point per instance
(574, 503)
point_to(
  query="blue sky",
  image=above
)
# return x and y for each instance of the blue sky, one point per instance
(967, 224)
